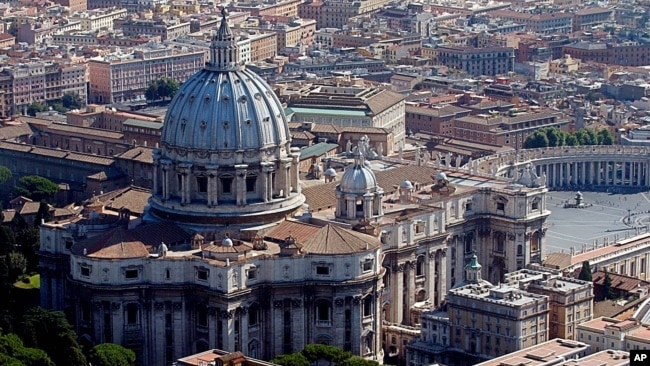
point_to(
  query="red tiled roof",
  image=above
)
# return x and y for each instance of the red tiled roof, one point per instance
(117, 243)
(333, 239)
(298, 230)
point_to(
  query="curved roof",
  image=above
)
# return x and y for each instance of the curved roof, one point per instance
(333, 239)
(224, 106)
(114, 244)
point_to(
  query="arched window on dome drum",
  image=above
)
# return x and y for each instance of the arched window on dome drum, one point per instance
(254, 315)
(202, 184)
(251, 182)
(226, 183)
(323, 313)
(419, 267)
(359, 206)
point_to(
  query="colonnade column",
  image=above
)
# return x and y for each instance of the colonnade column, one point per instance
(561, 168)
(295, 156)
(240, 185)
(639, 173)
(583, 173)
(267, 170)
(623, 171)
(350, 201)
(185, 171)
(166, 168)
(213, 190)
(156, 166)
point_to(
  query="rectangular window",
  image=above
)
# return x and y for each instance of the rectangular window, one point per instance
(202, 274)
(322, 270)
(131, 273)
(226, 185)
(501, 206)
(85, 271)
(252, 273)
(250, 183)
(367, 265)
(202, 183)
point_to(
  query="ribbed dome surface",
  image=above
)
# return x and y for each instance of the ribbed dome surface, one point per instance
(358, 180)
(233, 110)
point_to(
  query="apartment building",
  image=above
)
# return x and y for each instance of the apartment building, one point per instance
(570, 299)
(287, 8)
(608, 333)
(625, 54)
(99, 18)
(121, 77)
(74, 5)
(545, 23)
(336, 13)
(167, 30)
(477, 61)
(586, 18)
(40, 81)
(505, 130)
(438, 119)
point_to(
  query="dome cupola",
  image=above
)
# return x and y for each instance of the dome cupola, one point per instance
(225, 155)
(358, 195)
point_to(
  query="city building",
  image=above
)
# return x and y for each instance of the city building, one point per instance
(98, 18)
(505, 130)
(354, 107)
(167, 30)
(477, 61)
(39, 81)
(625, 53)
(543, 23)
(121, 77)
(553, 352)
(570, 300)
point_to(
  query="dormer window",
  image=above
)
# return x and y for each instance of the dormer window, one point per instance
(202, 274)
(85, 270)
(367, 264)
(323, 270)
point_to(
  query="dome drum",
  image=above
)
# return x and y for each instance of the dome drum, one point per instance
(225, 154)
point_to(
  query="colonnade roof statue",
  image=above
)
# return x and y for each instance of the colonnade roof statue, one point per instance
(225, 143)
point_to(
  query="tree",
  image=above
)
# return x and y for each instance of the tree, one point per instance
(167, 88)
(42, 214)
(71, 101)
(35, 187)
(572, 140)
(14, 352)
(605, 137)
(7, 240)
(28, 240)
(607, 287)
(36, 107)
(51, 332)
(556, 137)
(294, 359)
(152, 91)
(536, 140)
(5, 174)
(315, 352)
(109, 354)
(585, 272)
(16, 264)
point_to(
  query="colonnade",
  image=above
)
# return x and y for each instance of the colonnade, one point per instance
(594, 173)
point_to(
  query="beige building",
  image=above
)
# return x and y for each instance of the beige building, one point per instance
(165, 29)
(505, 130)
(336, 13)
(564, 65)
(554, 352)
(40, 81)
(118, 77)
(97, 19)
(352, 106)
(477, 61)
(570, 300)
(283, 8)
(608, 333)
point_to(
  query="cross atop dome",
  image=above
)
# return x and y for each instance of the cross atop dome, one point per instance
(224, 52)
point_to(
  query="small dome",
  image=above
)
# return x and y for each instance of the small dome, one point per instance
(406, 184)
(441, 176)
(367, 164)
(317, 168)
(227, 242)
(359, 180)
(330, 172)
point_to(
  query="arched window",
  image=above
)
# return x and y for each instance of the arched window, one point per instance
(131, 313)
(254, 315)
(226, 184)
(323, 313)
(520, 250)
(251, 181)
(201, 316)
(367, 305)
(419, 267)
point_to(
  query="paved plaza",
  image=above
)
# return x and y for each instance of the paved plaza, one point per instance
(605, 216)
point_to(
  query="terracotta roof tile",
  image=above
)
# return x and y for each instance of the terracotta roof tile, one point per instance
(333, 239)
(299, 230)
(619, 282)
(153, 234)
(117, 243)
(135, 199)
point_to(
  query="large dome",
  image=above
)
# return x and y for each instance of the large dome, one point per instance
(216, 110)
(225, 156)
